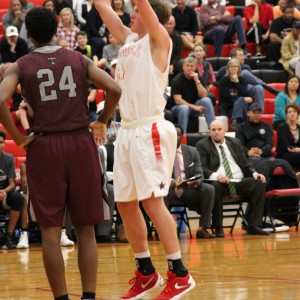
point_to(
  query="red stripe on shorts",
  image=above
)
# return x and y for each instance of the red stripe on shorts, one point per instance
(156, 142)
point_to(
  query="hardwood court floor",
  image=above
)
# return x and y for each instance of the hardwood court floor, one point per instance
(238, 267)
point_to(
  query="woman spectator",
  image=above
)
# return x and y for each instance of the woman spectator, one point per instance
(26, 6)
(234, 101)
(205, 70)
(97, 31)
(290, 95)
(288, 133)
(14, 16)
(66, 28)
(118, 7)
(49, 4)
(82, 9)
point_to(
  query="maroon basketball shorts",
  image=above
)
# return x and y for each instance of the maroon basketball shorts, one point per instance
(63, 171)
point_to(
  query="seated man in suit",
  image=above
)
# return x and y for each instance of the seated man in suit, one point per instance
(222, 158)
(198, 196)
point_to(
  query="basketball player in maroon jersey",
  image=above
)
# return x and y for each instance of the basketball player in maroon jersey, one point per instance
(62, 160)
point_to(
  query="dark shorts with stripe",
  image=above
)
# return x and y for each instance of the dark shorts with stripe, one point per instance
(63, 170)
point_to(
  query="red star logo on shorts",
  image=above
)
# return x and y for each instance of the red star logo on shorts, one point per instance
(162, 185)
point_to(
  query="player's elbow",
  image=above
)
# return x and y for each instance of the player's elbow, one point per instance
(115, 92)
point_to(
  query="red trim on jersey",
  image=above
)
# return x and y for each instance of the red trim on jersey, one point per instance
(156, 141)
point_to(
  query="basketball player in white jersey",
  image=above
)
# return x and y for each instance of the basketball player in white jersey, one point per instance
(146, 143)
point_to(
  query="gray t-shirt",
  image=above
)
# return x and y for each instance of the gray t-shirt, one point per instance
(7, 169)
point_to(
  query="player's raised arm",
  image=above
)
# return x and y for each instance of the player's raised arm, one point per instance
(153, 19)
(112, 20)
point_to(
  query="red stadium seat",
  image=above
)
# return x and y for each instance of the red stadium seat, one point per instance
(19, 160)
(5, 4)
(37, 2)
(12, 148)
(268, 118)
(269, 106)
(231, 9)
(185, 52)
(1, 28)
(3, 11)
(276, 85)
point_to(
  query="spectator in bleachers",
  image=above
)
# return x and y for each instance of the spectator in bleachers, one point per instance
(288, 134)
(198, 195)
(84, 48)
(12, 46)
(189, 95)
(9, 197)
(96, 31)
(219, 26)
(234, 97)
(278, 10)
(290, 50)
(82, 9)
(110, 51)
(256, 138)
(255, 85)
(66, 28)
(26, 6)
(14, 16)
(92, 93)
(218, 151)
(205, 70)
(23, 32)
(186, 24)
(49, 4)
(62, 42)
(290, 95)
(118, 7)
(279, 29)
(259, 16)
(22, 119)
(59, 5)
(177, 47)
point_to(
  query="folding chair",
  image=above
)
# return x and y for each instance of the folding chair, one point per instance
(179, 209)
(233, 208)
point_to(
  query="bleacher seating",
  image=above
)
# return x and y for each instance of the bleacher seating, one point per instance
(4, 4)
(11, 147)
(3, 11)
(1, 29)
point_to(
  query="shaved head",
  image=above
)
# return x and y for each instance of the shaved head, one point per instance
(217, 131)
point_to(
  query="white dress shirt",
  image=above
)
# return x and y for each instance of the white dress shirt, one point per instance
(235, 169)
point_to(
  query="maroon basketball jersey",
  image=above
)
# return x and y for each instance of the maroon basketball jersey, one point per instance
(54, 83)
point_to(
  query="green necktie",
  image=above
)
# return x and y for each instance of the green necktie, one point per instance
(232, 190)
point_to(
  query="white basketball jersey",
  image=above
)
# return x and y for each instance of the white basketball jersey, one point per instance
(142, 83)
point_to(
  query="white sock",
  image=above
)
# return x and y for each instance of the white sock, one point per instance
(174, 256)
(142, 254)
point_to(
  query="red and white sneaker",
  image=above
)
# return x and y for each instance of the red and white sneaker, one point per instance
(176, 287)
(142, 284)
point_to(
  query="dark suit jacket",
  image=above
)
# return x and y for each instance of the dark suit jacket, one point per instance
(210, 157)
(192, 162)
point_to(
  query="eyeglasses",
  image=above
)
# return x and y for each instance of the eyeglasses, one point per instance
(230, 66)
